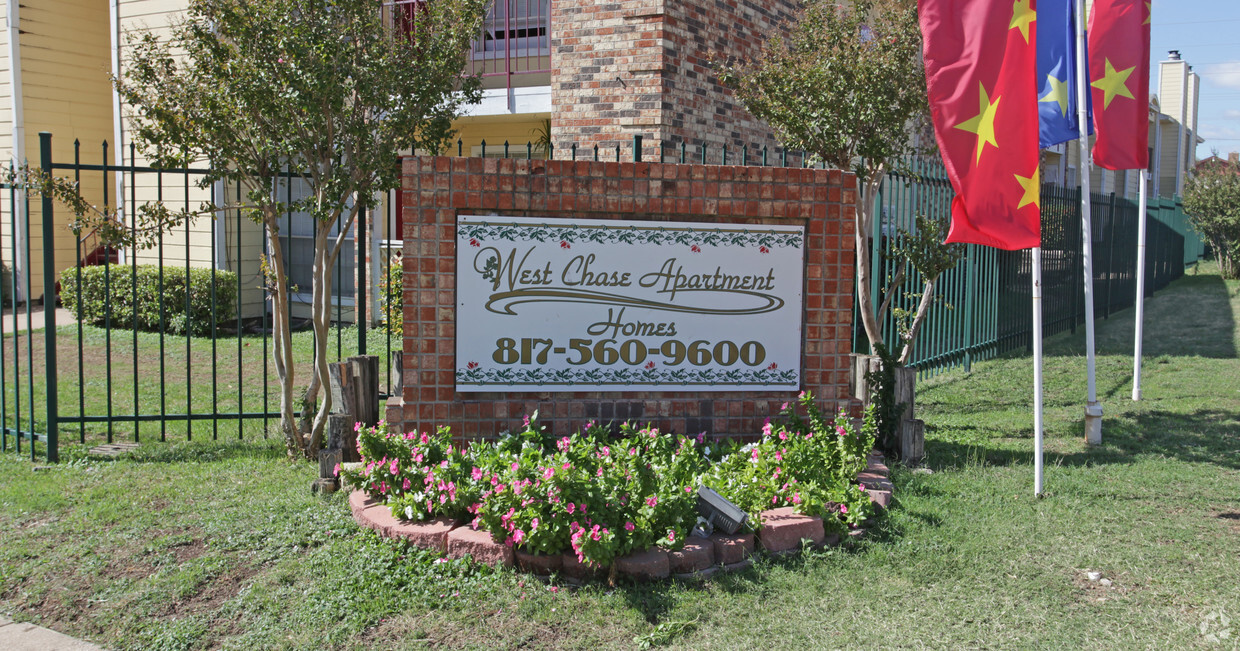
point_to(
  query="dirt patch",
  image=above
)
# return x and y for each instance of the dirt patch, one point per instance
(215, 592)
(1105, 588)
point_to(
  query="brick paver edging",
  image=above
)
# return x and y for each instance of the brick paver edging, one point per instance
(783, 531)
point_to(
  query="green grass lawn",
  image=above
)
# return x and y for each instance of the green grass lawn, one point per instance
(221, 375)
(207, 545)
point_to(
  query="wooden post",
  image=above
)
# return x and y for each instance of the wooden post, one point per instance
(344, 396)
(905, 390)
(365, 372)
(342, 436)
(912, 441)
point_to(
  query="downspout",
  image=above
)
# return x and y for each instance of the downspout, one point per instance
(18, 134)
(118, 127)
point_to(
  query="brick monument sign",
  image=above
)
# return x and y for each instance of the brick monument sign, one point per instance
(695, 298)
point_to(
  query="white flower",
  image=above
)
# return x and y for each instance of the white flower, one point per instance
(409, 512)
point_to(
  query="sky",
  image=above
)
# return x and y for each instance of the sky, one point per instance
(1207, 34)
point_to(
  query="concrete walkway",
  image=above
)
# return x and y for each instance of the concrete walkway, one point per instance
(28, 637)
(63, 317)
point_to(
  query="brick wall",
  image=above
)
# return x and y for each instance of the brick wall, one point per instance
(642, 67)
(437, 189)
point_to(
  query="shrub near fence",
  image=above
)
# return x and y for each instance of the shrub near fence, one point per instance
(108, 295)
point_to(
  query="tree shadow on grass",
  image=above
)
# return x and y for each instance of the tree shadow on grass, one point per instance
(1209, 436)
(1193, 317)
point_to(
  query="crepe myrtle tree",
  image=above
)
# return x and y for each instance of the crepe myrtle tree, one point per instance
(327, 90)
(1212, 201)
(847, 86)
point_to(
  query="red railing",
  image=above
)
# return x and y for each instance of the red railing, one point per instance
(513, 48)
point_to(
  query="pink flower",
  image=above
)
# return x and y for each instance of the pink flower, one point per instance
(632, 452)
(796, 498)
(357, 427)
(783, 407)
(599, 473)
(533, 525)
(443, 464)
(476, 474)
(548, 473)
(383, 487)
(841, 431)
(652, 500)
(782, 435)
(518, 536)
(671, 535)
(843, 508)
(571, 508)
(688, 489)
(774, 499)
(766, 428)
(425, 439)
(336, 470)
(581, 507)
(566, 466)
(406, 484)
(754, 454)
(629, 526)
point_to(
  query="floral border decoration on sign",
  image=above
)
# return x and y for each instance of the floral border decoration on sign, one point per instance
(625, 376)
(630, 235)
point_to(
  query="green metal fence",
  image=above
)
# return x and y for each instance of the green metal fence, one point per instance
(986, 305)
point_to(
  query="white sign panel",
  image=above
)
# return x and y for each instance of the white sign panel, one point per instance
(593, 305)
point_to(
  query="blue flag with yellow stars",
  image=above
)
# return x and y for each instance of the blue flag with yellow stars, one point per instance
(1057, 73)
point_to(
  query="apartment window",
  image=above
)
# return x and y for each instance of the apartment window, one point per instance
(297, 235)
(515, 27)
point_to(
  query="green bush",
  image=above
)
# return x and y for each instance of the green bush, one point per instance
(119, 292)
(6, 285)
(391, 295)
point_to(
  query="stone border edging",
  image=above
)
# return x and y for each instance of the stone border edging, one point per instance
(783, 532)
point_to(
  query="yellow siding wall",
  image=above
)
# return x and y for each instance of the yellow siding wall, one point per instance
(516, 129)
(65, 53)
(136, 18)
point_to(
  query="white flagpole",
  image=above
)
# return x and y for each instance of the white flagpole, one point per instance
(1093, 411)
(1142, 215)
(1037, 371)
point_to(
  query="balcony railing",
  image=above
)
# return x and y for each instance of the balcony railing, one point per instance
(512, 50)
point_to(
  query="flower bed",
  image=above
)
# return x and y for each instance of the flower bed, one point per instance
(626, 498)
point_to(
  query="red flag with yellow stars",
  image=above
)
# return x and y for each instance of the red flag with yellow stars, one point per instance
(981, 74)
(1119, 70)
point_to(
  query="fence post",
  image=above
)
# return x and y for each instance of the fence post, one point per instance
(1110, 223)
(970, 319)
(361, 296)
(49, 304)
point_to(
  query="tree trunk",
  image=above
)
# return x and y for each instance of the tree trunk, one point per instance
(923, 310)
(865, 227)
(281, 350)
(321, 318)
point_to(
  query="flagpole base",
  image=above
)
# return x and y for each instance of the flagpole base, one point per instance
(1093, 424)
